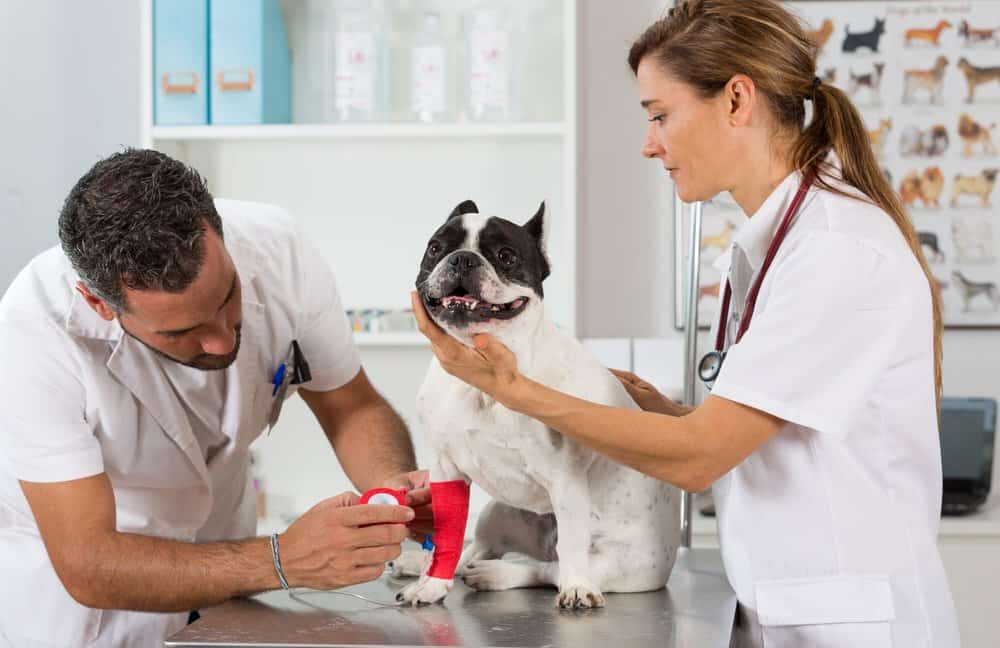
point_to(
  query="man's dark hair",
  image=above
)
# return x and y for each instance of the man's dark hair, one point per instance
(137, 220)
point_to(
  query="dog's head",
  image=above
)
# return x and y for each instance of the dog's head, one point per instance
(933, 175)
(990, 175)
(940, 63)
(964, 64)
(484, 274)
(879, 26)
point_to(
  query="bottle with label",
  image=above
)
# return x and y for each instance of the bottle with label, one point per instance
(429, 89)
(489, 77)
(360, 62)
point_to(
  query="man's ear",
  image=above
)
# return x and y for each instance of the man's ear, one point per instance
(99, 305)
(538, 227)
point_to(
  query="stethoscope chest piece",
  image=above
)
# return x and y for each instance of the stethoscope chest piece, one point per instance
(710, 366)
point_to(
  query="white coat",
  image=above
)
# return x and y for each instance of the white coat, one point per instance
(82, 398)
(828, 531)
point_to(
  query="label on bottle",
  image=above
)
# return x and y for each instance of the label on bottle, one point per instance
(428, 81)
(354, 71)
(489, 70)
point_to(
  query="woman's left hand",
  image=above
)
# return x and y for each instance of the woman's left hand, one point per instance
(488, 365)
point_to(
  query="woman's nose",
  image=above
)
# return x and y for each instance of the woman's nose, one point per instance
(651, 147)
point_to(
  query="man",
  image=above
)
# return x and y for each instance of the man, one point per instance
(137, 368)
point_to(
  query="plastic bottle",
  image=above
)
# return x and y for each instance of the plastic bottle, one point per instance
(490, 73)
(429, 71)
(360, 62)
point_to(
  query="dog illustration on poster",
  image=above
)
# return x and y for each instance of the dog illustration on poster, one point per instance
(869, 39)
(974, 134)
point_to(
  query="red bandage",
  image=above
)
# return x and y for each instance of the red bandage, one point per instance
(386, 496)
(450, 503)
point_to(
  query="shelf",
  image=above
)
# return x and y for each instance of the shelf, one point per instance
(402, 339)
(359, 131)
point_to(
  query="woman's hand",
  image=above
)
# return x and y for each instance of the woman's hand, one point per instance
(646, 396)
(488, 365)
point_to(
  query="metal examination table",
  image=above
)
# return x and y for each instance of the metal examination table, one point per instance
(695, 610)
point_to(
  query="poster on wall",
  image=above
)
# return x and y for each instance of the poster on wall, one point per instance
(925, 77)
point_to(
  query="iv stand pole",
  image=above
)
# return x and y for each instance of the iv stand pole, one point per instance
(690, 336)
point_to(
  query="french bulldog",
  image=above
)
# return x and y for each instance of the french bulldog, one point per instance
(586, 524)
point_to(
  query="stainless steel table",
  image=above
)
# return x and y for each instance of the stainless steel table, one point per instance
(696, 609)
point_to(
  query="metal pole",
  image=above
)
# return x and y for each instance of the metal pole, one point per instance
(690, 339)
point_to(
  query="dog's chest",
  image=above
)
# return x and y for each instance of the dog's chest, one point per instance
(512, 457)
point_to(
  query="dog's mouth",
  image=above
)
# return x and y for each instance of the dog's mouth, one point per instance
(459, 302)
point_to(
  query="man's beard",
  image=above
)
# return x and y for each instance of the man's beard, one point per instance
(204, 361)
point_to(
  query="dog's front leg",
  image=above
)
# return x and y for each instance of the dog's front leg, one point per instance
(570, 495)
(450, 503)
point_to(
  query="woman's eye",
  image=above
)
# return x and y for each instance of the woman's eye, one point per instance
(507, 257)
(657, 118)
(433, 249)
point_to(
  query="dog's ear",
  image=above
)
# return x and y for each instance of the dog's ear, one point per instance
(538, 227)
(464, 207)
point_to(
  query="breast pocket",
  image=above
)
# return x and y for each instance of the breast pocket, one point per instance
(852, 610)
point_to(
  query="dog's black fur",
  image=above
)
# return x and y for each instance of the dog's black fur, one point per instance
(869, 39)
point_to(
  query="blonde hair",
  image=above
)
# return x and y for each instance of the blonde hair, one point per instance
(704, 43)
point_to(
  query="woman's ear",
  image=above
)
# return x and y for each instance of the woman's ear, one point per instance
(740, 93)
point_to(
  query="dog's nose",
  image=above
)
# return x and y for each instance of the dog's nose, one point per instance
(465, 261)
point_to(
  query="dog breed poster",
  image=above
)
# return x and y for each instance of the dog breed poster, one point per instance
(926, 78)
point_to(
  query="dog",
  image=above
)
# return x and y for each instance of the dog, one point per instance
(871, 80)
(973, 36)
(877, 137)
(589, 525)
(977, 76)
(820, 36)
(981, 185)
(973, 133)
(720, 240)
(932, 36)
(926, 187)
(711, 291)
(869, 39)
(929, 143)
(929, 240)
(930, 80)
(969, 290)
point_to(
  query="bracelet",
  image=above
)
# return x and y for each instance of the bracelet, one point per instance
(277, 561)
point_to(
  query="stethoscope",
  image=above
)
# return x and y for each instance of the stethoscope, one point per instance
(711, 362)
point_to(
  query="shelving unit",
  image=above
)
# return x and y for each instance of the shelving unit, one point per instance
(374, 192)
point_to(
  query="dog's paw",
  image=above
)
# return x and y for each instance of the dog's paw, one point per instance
(493, 575)
(579, 596)
(425, 591)
(410, 564)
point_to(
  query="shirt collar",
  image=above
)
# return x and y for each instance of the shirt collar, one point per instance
(754, 238)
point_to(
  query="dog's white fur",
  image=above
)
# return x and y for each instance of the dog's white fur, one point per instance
(618, 530)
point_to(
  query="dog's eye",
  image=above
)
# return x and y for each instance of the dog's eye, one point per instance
(433, 249)
(507, 256)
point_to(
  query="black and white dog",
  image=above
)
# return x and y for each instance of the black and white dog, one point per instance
(588, 524)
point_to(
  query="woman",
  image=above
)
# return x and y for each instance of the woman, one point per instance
(820, 435)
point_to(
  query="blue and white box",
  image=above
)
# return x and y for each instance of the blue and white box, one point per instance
(180, 62)
(251, 65)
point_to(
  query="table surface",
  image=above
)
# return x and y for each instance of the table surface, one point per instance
(695, 610)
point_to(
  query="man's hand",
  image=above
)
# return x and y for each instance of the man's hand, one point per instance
(418, 497)
(646, 396)
(331, 546)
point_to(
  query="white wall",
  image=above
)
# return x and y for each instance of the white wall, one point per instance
(69, 77)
